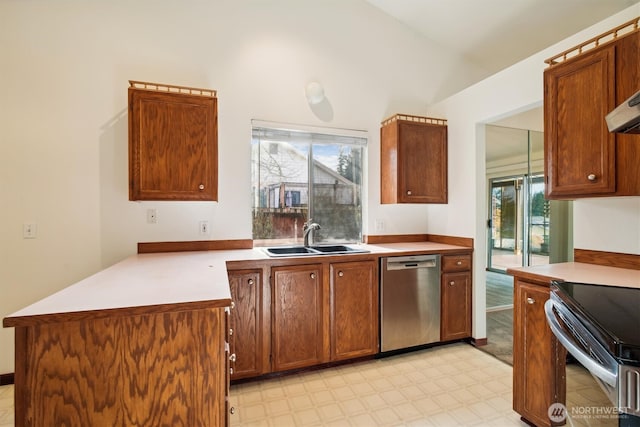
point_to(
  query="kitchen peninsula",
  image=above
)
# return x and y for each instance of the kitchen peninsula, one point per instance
(143, 342)
(139, 343)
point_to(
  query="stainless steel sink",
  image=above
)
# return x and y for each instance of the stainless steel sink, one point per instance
(291, 251)
(335, 249)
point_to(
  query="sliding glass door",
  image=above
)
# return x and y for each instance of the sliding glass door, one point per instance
(505, 248)
(518, 222)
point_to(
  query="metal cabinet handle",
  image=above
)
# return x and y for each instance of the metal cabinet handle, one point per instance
(201, 187)
(232, 357)
(312, 275)
(232, 410)
(230, 371)
(531, 301)
(408, 192)
(459, 263)
(451, 283)
(233, 305)
(250, 281)
(230, 331)
(591, 177)
(340, 274)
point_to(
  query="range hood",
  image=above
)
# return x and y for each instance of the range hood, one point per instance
(625, 118)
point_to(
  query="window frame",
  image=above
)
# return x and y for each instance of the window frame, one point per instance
(313, 137)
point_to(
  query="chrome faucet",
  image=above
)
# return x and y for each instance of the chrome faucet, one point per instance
(308, 228)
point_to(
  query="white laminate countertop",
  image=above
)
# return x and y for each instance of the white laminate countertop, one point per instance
(580, 272)
(164, 279)
(391, 249)
(141, 280)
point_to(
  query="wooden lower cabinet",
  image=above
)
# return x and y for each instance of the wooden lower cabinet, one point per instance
(538, 360)
(455, 297)
(456, 306)
(144, 370)
(297, 318)
(247, 325)
(294, 316)
(354, 309)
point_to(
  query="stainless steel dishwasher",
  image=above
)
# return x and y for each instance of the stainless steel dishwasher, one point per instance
(410, 301)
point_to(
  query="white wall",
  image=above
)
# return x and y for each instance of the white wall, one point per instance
(512, 91)
(63, 120)
(608, 225)
(65, 67)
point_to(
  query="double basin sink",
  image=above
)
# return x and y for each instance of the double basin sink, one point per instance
(284, 251)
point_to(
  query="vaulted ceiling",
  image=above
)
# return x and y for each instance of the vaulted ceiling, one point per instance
(495, 34)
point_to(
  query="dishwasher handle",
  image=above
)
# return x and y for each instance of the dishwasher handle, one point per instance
(412, 262)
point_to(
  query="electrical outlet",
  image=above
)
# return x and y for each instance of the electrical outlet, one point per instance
(29, 230)
(204, 228)
(379, 225)
(152, 216)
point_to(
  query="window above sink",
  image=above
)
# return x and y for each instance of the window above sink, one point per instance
(299, 173)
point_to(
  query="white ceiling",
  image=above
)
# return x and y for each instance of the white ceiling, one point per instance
(495, 34)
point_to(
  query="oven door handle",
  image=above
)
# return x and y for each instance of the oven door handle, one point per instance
(567, 341)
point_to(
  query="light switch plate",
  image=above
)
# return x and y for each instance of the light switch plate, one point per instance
(152, 216)
(29, 230)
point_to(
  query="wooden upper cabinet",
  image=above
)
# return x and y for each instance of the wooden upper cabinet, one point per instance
(582, 158)
(173, 137)
(413, 160)
(580, 150)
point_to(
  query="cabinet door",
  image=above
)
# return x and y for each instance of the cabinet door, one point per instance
(456, 306)
(153, 369)
(246, 323)
(422, 163)
(172, 146)
(354, 309)
(579, 150)
(413, 160)
(627, 145)
(297, 316)
(535, 361)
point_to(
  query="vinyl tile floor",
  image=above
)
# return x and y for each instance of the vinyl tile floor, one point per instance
(6, 406)
(450, 385)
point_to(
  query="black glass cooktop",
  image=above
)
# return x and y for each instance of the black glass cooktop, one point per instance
(611, 313)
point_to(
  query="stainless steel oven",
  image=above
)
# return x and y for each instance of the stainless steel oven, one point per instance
(600, 327)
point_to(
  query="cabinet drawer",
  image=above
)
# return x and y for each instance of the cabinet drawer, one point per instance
(456, 262)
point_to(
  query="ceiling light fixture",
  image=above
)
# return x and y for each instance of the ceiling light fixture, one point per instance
(314, 93)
